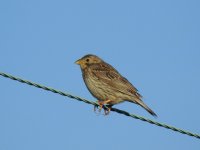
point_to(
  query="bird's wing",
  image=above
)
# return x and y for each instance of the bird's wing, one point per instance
(109, 75)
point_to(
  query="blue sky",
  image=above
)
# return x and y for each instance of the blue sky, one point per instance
(154, 44)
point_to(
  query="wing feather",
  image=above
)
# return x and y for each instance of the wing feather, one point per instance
(109, 75)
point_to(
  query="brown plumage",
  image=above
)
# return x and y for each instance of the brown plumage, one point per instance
(106, 84)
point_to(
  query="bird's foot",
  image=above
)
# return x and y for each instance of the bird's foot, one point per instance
(107, 111)
(95, 110)
(101, 104)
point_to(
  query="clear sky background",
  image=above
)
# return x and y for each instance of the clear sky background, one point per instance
(155, 44)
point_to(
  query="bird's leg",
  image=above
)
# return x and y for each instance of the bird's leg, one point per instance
(101, 104)
(106, 110)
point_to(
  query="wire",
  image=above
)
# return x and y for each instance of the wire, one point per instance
(96, 104)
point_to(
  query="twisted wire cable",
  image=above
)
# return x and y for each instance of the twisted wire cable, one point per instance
(96, 105)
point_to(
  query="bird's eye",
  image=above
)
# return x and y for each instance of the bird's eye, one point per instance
(87, 60)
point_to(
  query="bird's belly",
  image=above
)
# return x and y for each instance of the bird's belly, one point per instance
(99, 89)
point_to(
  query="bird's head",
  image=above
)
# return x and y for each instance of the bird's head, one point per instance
(88, 60)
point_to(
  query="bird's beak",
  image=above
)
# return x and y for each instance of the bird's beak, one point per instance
(78, 62)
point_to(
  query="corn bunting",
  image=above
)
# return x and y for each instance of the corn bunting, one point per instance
(106, 84)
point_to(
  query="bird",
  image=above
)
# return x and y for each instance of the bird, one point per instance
(107, 85)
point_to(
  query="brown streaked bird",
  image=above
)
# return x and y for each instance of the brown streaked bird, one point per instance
(107, 85)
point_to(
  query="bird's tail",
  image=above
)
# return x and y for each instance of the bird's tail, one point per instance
(141, 103)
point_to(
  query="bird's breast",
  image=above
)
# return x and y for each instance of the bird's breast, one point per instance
(95, 86)
(99, 89)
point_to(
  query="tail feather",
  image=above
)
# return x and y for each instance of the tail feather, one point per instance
(141, 103)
